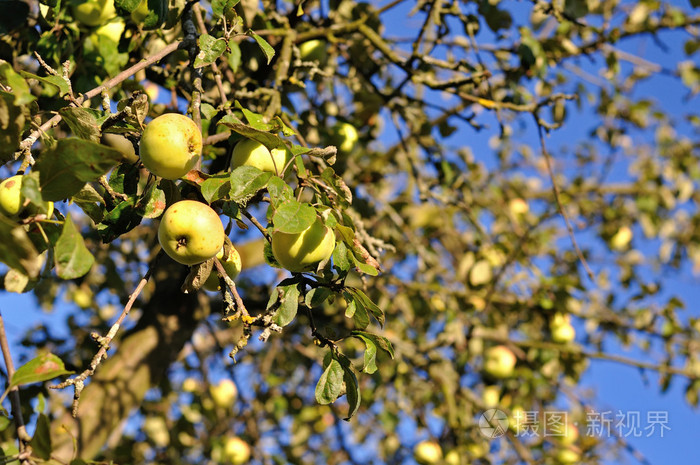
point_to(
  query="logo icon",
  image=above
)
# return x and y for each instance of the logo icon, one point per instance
(493, 423)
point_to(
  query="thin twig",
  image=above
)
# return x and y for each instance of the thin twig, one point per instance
(22, 434)
(257, 224)
(127, 73)
(104, 341)
(555, 188)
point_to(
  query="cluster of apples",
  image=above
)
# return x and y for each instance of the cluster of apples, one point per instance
(191, 232)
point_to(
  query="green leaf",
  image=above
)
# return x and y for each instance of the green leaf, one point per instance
(20, 89)
(270, 141)
(12, 121)
(41, 442)
(42, 368)
(341, 255)
(66, 169)
(127, 5)
(372, 342)
(73, 259)
(367, 303)
(279, 191)
(89, 200)
(58, 82)
(121, 219)
(219, 6)
(17, 250)
(352, 387)
(246, 181)
(216, 187)
(264, 46)
(82, 123)
(152, 204)
(330, 384)
(210, 49)
(234, 56)
(293, 217)
(31, 190)
(317, 296)
(17, 282)
(288, 295)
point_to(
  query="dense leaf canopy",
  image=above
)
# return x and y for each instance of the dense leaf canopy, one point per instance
(495, 174)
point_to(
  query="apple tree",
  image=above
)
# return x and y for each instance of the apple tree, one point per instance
(255, 220)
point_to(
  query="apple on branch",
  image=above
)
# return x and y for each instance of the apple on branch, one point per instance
(190, 232)
(499, 362)
(302, 251)
(15, 205)
(94, 12)
(170, 145)
(249, 152)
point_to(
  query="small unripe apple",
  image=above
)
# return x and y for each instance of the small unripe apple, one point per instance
(567, 457)
(499, 362)
(224, 394)
(236, 450)
(452, 457)
(94, 12)
(518, 207)
(122, 144)
(249, 152)
(170, 145)
(190, 232)
(12, 202)
(622, 238)
(313, 50)
(345, 137)
(427, 452)
(491, 396)
(518, 420)
(112, 30)
(232, 265)
(302, 251)
(561, 328)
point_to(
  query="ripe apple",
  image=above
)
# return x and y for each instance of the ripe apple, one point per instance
(313, 50)
(427, 452)
(345, 137)
(499, 362)
(170, 145)
(12, 202)
(94, 12)
(561, 329)
(190, 232)
(232, 265)
(491, 396)
(622, 238)
(249, 152)
(302, 251)
(224, 394)
(236, 450)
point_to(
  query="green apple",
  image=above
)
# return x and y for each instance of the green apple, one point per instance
(518, 420)
(477, 450)
(249, 152)
(190, 232)
(561, 329)
(313, 50)
(480, 273)
(302, 251)
(569, 435)
(622, 238)
(345, 137)
(491, 396)
(232, 265)
(499, 362)
(224, 393)
(452, 458)
(170, 145)
(94, 12)
(112, 30)
(518, 207)
(427, 452)
(236, 450)
(122, 144)
(13, 204)
(567, 456)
